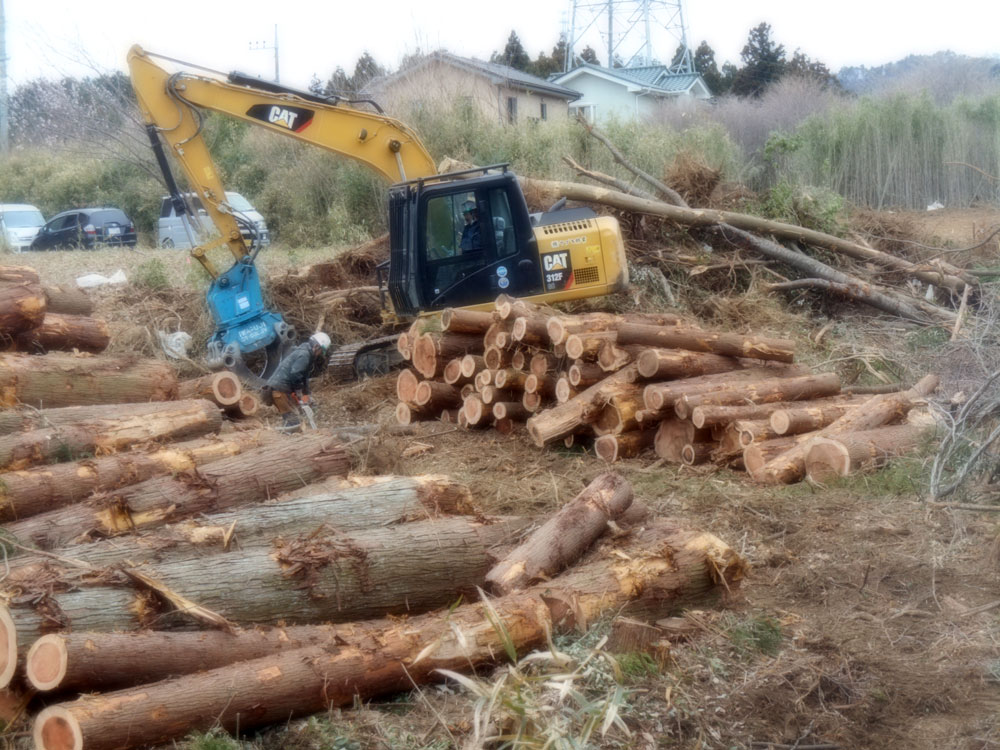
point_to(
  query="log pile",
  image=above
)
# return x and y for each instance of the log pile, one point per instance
(645, 382)
(354, 595)
(37, 319)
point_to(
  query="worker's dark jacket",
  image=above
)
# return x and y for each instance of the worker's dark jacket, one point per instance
(471, 239)
(295, 369)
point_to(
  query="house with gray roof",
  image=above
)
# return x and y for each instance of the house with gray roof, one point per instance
(628, 92)
(498, 91)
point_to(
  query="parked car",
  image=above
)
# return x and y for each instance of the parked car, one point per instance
(170, 227)
(19, 224)
(86, 228)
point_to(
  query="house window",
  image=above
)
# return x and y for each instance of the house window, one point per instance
(589, 111)
(511, 109)
(544, 111)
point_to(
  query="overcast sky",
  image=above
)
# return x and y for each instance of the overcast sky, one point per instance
(52, 38)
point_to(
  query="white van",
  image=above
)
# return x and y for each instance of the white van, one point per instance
(170, 230)
(19, 225)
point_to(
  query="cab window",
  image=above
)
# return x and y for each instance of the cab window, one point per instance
(443, 228)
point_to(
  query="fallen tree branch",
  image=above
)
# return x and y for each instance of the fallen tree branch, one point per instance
(606, 179)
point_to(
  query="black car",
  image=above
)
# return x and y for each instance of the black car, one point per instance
(86, 228)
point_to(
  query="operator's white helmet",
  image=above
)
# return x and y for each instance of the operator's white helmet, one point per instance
(321, 340)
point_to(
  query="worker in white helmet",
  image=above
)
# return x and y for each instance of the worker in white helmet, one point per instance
(289, 385)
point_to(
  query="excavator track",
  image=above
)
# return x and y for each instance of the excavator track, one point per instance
(365, 359)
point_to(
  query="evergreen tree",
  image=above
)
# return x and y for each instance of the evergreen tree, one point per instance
(704, 63)
(513, 55)
(366, 70)
(802, 67)
(589, 56)
(763, 63)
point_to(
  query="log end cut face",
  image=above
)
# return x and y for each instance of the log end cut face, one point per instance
(45, 665)
(56, 729)
(8, 647)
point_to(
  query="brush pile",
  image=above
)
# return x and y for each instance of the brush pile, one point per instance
(649, 381)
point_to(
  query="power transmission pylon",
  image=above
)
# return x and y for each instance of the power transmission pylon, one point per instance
(633, 32)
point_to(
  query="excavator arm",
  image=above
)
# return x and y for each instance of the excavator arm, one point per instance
(172, 104)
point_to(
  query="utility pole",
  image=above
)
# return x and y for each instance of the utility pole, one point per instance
(264, 45)
(4, 112)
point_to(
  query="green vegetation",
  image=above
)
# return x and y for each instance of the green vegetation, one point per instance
(756, 634)
(151, 275)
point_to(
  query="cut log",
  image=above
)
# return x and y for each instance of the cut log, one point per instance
(28, 493)
(631, 636)
(504, 426)
(696, 340)
(587, 345)
(754, 431)
(793, 421)
(612, 357)
(519, 359)
(498, 336)
(584, 374)
(545, 385)
(708, 415)
(509, 379)
(18, 275)
(404, 345)
(484, 378)
(757, 455)
(410, 413)
(656, 571)
(512, 410)
(432, 351)
(471, 364)
(491, 394)
(776, 389)
(406, 387)
(349, 505)
(465, 321)
(221, 388)
(673, 434)
(246, 408)
(452, 374)
(855, 452)
(561, 327)
(476, 413)
(618, 415)
(253, 476)
(66, 380)
(875, 412)
(175, 420)
(67, 299)
(431, 395)
(566, 418)
(65, 333)
(532, 401)
(694, 454)
(543, 363)
(22, 307)
(624, 445)
(564, 538)
(664, 364)
(26, 419)
(496, 358)
(661, 397)
(531, 330)
(509, 308)
(323, 575)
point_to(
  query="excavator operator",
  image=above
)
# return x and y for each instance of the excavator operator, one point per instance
(292, 378)
(471, 237)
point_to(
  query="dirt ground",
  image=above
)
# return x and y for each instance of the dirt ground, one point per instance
(869, 618)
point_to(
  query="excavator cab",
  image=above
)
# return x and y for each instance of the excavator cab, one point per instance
(459, 240)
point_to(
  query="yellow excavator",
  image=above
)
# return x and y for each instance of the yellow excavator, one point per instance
(457, 239)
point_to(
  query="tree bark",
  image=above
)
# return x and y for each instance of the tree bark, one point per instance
(564, 419)
(611, 357)
(776, 389)
(26, 419)
(410, 413)
(323, 575)
(661, 397)
(59, 332)
(531, 330)
(657, 570)
(175, 420)
(28, 493)
(22, 307)
(561, 327)
(510, 379)
(465, 321)
(697, 340)
(437, 396)
(880, 410)
(588, 345)
(757, 455)
(18, 275)
(624, 445)
(57, 380)
(67, 299)
(346, 505)
(585, 374)
(254, 476)
(855, 452)
(793, 421)
(673, 434)
(663, 364)
(693, 454)
(512, 410)
(432, 351)
(619, 414)
(709, 415)
(221, 388)
(564, 538)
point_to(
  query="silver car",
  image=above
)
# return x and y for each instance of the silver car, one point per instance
(19, 225)
(170, 227)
